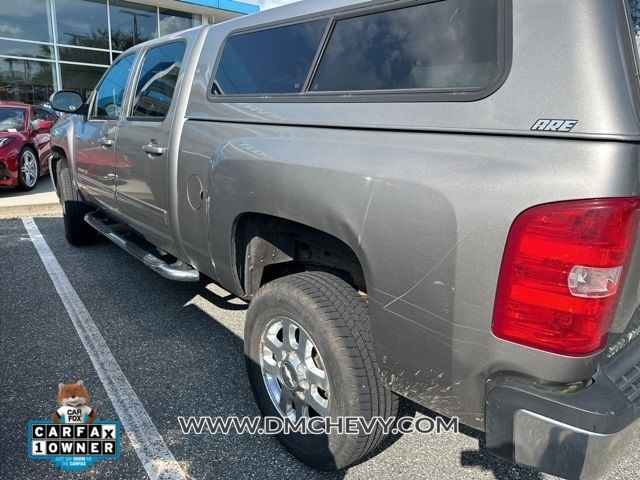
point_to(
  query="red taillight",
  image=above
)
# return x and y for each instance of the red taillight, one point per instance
(562, 270)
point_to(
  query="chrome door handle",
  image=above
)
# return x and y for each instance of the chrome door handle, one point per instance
(106, 142)
(154, 149)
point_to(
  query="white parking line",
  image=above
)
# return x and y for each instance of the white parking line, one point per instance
(154, 454)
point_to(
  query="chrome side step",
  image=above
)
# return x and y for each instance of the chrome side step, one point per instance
(142, 250)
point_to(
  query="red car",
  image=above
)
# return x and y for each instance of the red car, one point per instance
(25, 145)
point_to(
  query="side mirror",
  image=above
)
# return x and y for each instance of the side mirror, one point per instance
(45, 125)
(67, 101)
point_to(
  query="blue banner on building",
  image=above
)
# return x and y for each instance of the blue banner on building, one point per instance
(230, 5)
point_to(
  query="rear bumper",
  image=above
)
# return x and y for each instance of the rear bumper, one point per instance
(571, 435)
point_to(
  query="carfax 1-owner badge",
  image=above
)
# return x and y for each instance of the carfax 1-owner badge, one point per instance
(74, 438)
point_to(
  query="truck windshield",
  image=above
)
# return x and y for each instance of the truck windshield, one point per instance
(11, 119)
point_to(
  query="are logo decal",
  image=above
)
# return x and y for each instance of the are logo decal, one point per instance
(554, 125)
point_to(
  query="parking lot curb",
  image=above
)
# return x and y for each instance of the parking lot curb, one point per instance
(42, 210)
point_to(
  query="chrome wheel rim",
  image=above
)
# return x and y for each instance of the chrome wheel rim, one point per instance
(293, 370)
(29, 169)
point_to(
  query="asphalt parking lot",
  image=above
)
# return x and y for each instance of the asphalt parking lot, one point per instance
(180, 348)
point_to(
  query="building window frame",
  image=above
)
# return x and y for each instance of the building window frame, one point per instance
(55, 44)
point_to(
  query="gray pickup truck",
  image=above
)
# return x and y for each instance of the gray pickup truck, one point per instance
(430, 199)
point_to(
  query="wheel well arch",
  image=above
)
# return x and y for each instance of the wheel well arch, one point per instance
(31, 147)
(34, 150)
(267, 247)
(57, 153)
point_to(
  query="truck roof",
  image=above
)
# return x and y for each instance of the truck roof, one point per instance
(572, 73)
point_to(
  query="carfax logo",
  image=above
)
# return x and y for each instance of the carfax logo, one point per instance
(73, 439)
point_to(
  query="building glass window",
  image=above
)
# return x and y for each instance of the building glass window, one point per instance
(80, 78)
(157, 81)
(26, 81)
(82, 23)
(83, 55)
(26, 20)
(53, 44)
(172, 21)
(25, 49)
(131, 23)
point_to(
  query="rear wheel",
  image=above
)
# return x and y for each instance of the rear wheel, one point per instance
(28, 169)
(77, 231)
(309, 353)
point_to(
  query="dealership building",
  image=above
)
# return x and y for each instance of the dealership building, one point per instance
(48, 45)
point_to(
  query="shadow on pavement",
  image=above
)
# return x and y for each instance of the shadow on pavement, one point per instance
(180, 346)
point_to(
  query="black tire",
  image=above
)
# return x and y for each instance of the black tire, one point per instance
(22, 184)
(336, 319)
(77, 231)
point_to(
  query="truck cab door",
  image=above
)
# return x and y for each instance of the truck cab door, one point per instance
(142, 149)
(95, 138)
